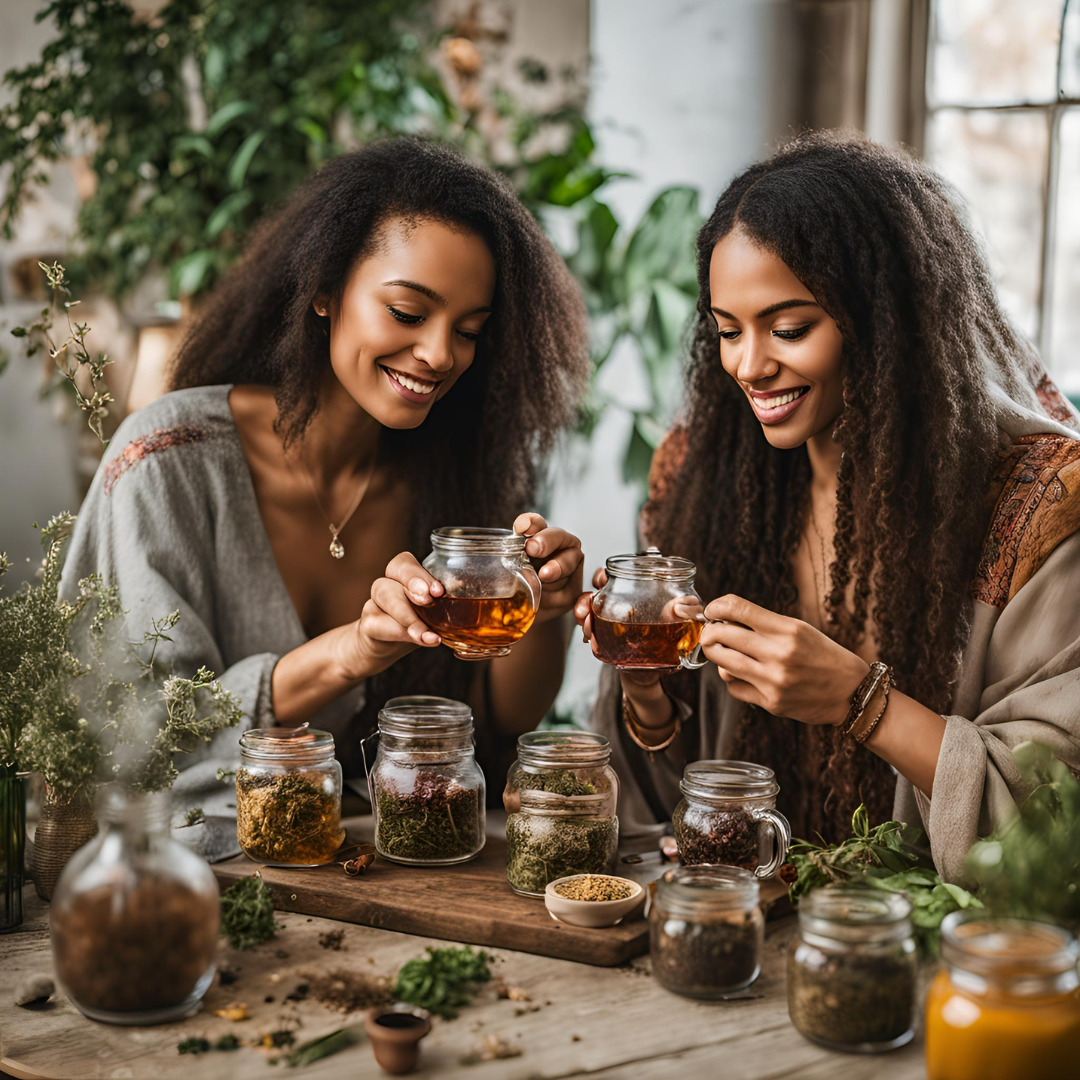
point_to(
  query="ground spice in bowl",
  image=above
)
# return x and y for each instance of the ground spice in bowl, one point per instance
(595, 887)
(287, 819)
(438, 821)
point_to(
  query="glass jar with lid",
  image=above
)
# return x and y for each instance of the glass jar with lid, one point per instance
(492, 591)
(648, 615)
(851, 969)
(706, 930)
(288, 797)
(427, 790)
(728, 815)
(1006, 1002)
(134, 917)
(560, 800)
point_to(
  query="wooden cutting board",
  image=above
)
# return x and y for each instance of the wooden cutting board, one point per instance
(470, 902)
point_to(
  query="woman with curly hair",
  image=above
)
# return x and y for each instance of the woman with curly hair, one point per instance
(880, 484)
(396, 351)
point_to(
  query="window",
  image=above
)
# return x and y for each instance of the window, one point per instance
(1003, 124)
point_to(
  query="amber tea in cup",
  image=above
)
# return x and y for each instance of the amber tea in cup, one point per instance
(491, 593)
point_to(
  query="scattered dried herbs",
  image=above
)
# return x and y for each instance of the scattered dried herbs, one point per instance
(491, 1048)
(438, 821)
(287, 819)
(332, 939)
(349, 991)
(594, 887)
(848, 998)
(729, 837)
(706, 957)
(444, 980)
(203, 1046)
(541, 848)
(247, 913)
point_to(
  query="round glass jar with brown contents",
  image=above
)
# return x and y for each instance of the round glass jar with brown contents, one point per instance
(134, 917)
(288, 797)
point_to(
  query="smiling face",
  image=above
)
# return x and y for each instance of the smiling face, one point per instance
(776, 342)
(406, 326)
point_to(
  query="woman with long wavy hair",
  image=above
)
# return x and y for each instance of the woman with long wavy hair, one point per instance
(879, 485)
(396, 351)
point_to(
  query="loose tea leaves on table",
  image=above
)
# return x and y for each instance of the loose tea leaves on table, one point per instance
(444, 980)
(286, 818)
(541, 849)
(851, 999)
(247, 913)
(594, 887)
(438, 821)
(729, 837)
(709, 957)
(349, 991)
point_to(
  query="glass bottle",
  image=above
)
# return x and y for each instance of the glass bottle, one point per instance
(134, 917)
(288, 797)
(560, 799)
(728, 815)
(1006, 1002)
(648, 615)
(492, 591)
(427, 790)
(851, 969)
(706, 931)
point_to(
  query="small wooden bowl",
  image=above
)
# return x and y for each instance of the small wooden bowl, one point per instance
(592, 913)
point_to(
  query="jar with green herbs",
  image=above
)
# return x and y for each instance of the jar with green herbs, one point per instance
(706, 930)
(426, 786)
(134, 917)
(560, 801)
(728, 815)
(288, 797)
(851, 970)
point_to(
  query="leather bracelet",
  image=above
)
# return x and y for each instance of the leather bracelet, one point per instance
(631, 721)
(863, 695)
(886, 685)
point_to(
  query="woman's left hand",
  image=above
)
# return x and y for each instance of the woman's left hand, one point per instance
(560, 574)
(782, 664)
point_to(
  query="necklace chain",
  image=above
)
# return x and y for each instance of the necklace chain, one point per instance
(337, 548)
(819, 581)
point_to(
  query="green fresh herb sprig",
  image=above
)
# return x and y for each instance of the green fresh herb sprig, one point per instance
(325, 1045)
(444, 980)
(198, 1045)
(891, 856)
(247, 913)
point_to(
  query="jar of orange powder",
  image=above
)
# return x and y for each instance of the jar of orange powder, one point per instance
(1006, 1003)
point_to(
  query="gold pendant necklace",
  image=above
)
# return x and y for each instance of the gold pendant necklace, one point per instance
(337, 548)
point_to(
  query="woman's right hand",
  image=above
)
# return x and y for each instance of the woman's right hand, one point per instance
(389, 625)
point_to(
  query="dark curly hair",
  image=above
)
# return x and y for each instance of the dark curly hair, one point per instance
(881, 242)
(478, 457)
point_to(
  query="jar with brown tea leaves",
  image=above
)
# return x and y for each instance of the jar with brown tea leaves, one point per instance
(728, 816)
(851, 971)
(706, 931)
(288, 797)
(134, 918)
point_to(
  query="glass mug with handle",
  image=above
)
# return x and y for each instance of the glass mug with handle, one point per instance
(648, 615)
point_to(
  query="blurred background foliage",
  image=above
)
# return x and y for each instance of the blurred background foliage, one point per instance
(194, 121)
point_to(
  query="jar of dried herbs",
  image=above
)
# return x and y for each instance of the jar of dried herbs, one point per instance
(851, 970)
(706, 930)
(134, 917)
(560, 800)
(288, 797)
(426, 786)
(728, 816)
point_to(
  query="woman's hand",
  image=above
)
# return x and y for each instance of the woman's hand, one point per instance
(560, 574)
(782, 664)
(389, 626)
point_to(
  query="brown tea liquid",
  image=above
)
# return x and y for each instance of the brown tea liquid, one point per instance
(644, 644)
(484, 625)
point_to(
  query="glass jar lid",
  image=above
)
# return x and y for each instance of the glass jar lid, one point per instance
(563, 749)
(652, 566)
(1022, 953)
(855, 914)
(425, 717)
(288, 745)
(707, 887)
(720, 782)
(461, 540)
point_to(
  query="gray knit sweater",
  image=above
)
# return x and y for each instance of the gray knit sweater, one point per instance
(171, 519)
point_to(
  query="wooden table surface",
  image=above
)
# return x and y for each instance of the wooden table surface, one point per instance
(603, 1022)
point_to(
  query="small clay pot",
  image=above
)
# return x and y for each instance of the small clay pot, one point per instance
(395, 1033)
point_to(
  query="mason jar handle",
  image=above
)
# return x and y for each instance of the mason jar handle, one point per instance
(694, 659)
(781, 833)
